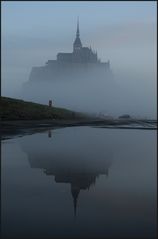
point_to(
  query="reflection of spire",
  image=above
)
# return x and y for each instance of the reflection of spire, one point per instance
(75, 192)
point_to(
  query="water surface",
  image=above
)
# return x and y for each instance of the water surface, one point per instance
(80, 182)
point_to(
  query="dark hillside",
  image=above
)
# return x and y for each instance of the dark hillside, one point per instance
(15, 109)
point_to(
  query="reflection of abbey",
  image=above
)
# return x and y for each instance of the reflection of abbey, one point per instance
(83, 61)
(78, 179)
(65, 165)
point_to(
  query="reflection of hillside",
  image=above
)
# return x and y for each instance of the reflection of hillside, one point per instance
(69, 159)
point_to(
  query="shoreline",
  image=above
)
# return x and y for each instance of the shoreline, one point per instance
(10, 129)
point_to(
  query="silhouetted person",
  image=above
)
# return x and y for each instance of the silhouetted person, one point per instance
(50, 103)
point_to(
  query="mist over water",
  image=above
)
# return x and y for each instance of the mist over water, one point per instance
(120, 94)
(134, 94)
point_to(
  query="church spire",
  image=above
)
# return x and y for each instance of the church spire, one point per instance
(77, 43)
(78, 31)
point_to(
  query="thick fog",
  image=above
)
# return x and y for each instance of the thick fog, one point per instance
(126, 36)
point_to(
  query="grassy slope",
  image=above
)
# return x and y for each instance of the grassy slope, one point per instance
(14, 109)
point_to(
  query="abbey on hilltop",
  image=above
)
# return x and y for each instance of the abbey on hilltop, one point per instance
(83, 62)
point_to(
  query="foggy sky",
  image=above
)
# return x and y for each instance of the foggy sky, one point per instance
(122, 32)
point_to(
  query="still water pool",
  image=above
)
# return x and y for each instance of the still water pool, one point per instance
(79, 182)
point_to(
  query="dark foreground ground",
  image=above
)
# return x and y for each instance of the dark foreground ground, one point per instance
(17, 109)
(20, 117)
(22, 127)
